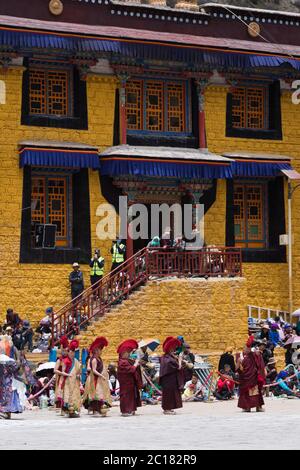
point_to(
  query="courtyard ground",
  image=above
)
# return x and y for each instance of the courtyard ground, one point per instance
(217, 425)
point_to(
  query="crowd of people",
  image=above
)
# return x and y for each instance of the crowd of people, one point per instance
(24, 337)
(71, 385)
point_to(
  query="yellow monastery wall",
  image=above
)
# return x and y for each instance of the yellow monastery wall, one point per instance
(209, 314)
(267, 283)
(30, 288)
(215, 218)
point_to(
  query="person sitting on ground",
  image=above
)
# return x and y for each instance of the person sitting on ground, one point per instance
(188, 361)
(293, 379)
(227, 358)
(113, 382)
(288, 335)
(12, 319)
(266, 350)
(274, 335)
(281, 323)
(145, 363)
(271, 374)
(193, 390)
(265, 332)
(27, 332)
(225, 384)
(283, 387)
(17, 337)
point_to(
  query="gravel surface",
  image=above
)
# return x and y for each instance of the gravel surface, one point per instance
(217, 425)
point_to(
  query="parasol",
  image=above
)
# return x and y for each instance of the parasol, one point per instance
(46, 366)
(5, 359)
(294, 340)
(296, 313)
(151, 343)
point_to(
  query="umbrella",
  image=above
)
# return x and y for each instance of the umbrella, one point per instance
(151, 343)
(296, 313)
(46, 366)
(293, 340)
(5, 359)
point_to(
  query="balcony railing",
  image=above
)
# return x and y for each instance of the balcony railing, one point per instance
(146, 264)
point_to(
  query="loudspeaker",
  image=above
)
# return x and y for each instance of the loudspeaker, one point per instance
(45, 235)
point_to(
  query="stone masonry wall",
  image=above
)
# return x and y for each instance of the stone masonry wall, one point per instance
(210, 314)
(267, 283)
(30, 288)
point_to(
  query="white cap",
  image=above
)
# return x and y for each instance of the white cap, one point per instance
(75, 265)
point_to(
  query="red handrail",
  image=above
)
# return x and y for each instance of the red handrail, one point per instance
(118, 284)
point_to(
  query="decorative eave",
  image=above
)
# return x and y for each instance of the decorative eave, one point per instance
(208, 11)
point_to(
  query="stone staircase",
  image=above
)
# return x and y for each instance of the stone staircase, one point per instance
(210, 314)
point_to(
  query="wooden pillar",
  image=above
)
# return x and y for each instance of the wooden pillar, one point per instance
(129, 244)
(201, 84)
(123, 121)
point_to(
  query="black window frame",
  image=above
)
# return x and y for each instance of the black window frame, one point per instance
(274, 132)
(274, 253)
(81, 229)
(79, 118)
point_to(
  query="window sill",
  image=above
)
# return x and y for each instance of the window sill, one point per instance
(57, 255)
(273, 134)
(162, 140)
(275, 255)
(56, 121)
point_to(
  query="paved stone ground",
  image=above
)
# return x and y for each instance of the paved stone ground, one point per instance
(217, 425)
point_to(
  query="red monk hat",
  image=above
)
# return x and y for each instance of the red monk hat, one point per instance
(64, 342)
(74, 345)
(250, 341)
(99, 343)
(127, 345)
(171, 343)
(166, 340)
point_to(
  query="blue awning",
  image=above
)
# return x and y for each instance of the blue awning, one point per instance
(13, 39)
(124, 166)
(59, 158)
(258, 169)
(255, 164)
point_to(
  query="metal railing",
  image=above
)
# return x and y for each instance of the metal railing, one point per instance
(263, 313)
(116, 286)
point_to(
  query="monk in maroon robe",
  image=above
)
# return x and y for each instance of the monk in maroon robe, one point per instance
(130, 378)
(251, 379)
(171, 376)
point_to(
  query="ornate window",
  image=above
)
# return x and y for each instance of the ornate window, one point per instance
(249, 110)
(250, 215)
(54, 95)
(254, 111)
(50, 197)
(49, 92)
(157, 106)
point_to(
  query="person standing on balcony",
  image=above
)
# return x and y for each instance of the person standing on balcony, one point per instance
(76, 281)
(171, 376)
(129, 377)
(97, 270)
(118, 251)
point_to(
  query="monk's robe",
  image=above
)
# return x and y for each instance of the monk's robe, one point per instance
(171, 381)
(96, 391)
(251, 379)
(130, 381)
